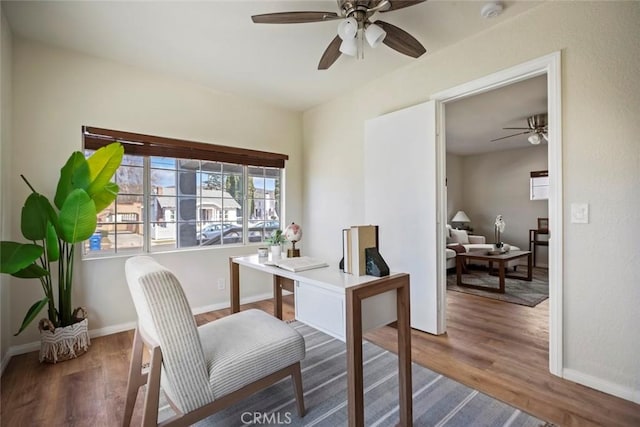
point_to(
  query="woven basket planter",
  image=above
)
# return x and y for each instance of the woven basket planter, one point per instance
(64, 343)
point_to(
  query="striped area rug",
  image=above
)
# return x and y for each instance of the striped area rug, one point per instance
(437, 400)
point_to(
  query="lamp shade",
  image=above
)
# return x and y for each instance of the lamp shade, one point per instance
(374, 35)
(460, 217)
(348, 28)
(349, 47)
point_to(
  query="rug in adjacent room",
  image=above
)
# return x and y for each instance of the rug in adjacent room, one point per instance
(437, 400)
(516, 291)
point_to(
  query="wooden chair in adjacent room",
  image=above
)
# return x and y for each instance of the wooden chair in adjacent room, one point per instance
(534, 237)
(207, 368)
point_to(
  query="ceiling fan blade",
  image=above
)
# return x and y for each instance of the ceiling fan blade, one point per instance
(331, 54)
(400, 4)
(294, 17)
(515, 134)
(516, 128)
(401, 41)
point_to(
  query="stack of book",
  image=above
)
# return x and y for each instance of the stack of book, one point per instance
(354, 242)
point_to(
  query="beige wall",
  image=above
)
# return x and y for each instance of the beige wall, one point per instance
(498, 183)
(57, 91)
(5, 156)
(601, 165)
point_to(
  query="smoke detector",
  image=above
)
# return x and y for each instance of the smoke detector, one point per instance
(491, 10)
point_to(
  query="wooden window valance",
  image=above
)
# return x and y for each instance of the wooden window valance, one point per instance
(149, 145)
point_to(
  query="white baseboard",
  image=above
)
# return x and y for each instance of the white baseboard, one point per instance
(5, 362)
(15, 350)
(108, 330)
(627, 393)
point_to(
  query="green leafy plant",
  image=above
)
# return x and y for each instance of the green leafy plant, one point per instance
(276, 238)
(84, 189)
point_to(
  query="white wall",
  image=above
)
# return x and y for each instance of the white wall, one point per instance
(601, 164)
(5, 158)
(498, 183)
(57, 91)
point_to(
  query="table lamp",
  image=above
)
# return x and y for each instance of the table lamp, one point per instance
(462, 219)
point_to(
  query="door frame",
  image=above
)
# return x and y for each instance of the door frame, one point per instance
(551, 66)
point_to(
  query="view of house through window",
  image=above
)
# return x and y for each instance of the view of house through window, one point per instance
(169, 203)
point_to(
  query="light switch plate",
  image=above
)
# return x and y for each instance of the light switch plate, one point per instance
(579, 213)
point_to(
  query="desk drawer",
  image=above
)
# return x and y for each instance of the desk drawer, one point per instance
(321, 309)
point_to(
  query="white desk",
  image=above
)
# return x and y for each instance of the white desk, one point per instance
(323, 297)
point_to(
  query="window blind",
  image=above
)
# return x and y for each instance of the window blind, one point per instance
(149, 145)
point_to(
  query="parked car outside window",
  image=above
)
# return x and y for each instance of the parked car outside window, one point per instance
(269, 225)
(212, 230)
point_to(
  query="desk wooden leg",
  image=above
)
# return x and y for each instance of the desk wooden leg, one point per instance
(355, 391)
(529, 268)
(501, 267)
(404, 355)
(234, 285)
(277, 296)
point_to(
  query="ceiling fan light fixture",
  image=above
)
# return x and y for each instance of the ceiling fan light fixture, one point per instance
(349, 47)
(348, 28)
(491, 10)
(353, 20)
(534, 139)
(374, 35)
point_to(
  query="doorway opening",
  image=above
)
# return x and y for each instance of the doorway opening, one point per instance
(539, 75)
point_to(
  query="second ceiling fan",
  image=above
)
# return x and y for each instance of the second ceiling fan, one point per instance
(536, 124)
(355, 16)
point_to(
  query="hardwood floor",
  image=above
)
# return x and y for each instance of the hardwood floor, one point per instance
(497, 348)
(501, 349)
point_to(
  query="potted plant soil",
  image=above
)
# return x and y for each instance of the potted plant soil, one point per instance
(84, 189)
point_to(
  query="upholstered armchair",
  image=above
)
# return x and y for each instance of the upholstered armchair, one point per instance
(201, 369)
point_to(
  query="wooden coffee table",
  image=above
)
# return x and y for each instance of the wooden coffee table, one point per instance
(501, 260)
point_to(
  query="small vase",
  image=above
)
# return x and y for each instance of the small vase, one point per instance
(276, 251)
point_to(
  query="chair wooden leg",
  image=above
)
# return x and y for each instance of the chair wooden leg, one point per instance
(152, 396)
(296, 376)
(135, 378)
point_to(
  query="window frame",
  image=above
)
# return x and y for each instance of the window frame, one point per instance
(148, 146)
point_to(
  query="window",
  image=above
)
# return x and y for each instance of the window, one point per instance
(196, 197)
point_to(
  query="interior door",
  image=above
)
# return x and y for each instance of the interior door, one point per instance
(401, 197)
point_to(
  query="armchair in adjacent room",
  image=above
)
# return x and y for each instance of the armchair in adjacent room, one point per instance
(202, 369)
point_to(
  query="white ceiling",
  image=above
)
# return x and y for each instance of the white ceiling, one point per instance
(471, 123)
(215, 44)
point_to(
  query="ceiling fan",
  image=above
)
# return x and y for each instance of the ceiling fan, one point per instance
(537, 125)
(355, 25)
